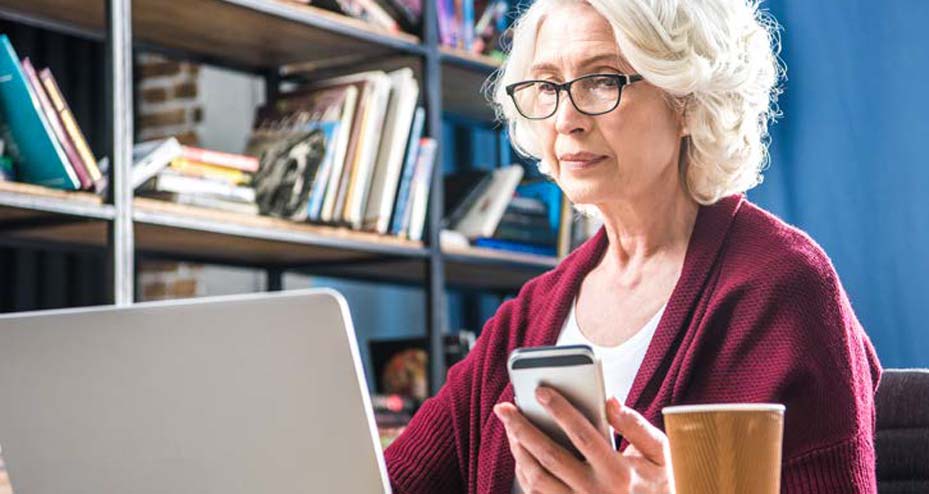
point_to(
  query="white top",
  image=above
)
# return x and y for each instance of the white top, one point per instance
(620, 363)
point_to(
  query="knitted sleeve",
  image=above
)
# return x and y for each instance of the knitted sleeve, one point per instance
(433, 453)
(787, 334)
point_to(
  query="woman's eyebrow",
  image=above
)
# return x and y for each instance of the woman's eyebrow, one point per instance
(604, 58)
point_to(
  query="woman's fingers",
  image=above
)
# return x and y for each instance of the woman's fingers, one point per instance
(585, 437)
(546, 453)
(647, 439)
(532, 477)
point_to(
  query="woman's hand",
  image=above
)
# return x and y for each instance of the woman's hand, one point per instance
(543, 466)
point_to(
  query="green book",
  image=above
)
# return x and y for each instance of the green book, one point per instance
(37, 155)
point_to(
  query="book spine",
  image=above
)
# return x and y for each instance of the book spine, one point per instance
(51, 116)
(467, 19)
(238, 161)
(409, 166)
(70, 124)
(169, 182)
(196, 169)
(425, 163)
(446, 20)
(496, 244)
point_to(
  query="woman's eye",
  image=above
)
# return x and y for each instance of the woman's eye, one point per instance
(546, 88)
(606, 83)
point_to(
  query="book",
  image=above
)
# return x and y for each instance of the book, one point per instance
(51, 116)
(290, 169)
(148, 159)
(419, 189)
(70, 124)
(461, 190)
(467, 21)
(197, 169)
(330, 110)
(497, 244)
(369, 142)
(406, 178)
(218, 158)
(205, 201)
(482, 218)
(397, 129)
(38, 157)
(167, 181)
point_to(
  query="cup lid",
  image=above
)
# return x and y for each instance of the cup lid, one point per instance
(725, 407)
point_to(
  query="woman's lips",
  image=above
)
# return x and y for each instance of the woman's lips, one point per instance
(581, 161)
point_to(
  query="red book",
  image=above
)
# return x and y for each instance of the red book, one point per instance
(55, 122)
(237, 161)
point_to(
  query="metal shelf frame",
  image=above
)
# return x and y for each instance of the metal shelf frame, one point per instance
(124, 241)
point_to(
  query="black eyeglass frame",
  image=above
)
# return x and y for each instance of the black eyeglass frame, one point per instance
(622, 80)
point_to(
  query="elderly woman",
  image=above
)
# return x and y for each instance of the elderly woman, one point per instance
(653, 115)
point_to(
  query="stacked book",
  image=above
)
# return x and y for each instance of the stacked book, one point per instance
(347, 151)
(193, 176)
(40, 135)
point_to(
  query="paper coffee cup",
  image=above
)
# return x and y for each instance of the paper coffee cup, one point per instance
(725, 448)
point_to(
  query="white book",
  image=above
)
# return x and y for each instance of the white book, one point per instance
(151, 157)
(482, 218)
(365, 158)
(171, 182)
(419, 190)
(404, 95)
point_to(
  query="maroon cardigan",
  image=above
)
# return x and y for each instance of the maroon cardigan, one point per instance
(758, 315)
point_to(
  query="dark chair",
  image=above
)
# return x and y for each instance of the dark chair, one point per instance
(902, 441)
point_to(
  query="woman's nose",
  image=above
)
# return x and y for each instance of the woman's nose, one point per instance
(568, 120)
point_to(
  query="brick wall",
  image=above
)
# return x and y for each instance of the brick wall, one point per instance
(168, 96)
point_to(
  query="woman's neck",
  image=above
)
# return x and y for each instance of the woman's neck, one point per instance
(655, 225)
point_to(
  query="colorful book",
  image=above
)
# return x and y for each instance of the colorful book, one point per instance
(197, 169)
(70, 124)
(51, 116)
(29, 139)
(237, 161)
(409, 167)
(333, 149)
(497, 244)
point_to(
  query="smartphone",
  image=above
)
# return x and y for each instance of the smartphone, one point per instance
(572, 370)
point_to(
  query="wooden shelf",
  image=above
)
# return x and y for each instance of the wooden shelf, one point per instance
(18, 199)
(36, 216)
(165, 228)
(248, 34)
(493, 269)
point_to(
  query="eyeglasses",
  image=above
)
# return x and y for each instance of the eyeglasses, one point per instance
(593, 94)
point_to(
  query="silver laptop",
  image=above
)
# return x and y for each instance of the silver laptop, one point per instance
(233, 395)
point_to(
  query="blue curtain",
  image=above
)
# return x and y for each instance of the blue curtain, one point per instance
(848, 160)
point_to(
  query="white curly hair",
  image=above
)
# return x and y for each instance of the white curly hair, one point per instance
(716, 59)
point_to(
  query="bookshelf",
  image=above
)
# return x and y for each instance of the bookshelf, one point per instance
(260, 37)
